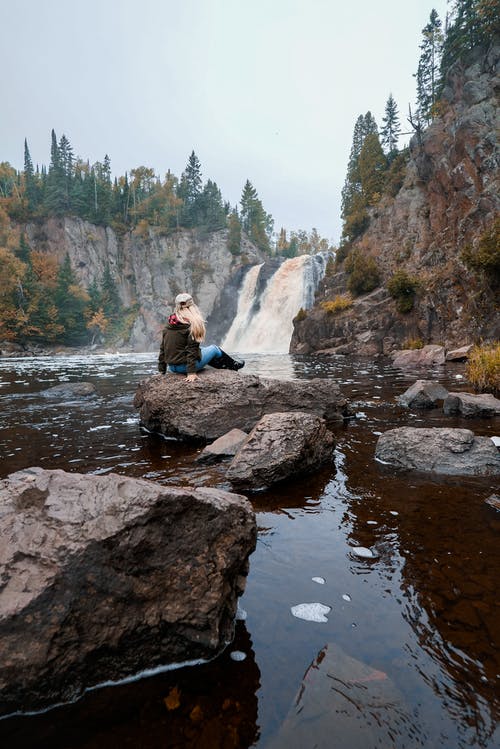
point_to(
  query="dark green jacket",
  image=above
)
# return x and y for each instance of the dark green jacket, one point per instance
(178, 346)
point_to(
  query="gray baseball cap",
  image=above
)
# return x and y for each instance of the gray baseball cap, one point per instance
(183, 298)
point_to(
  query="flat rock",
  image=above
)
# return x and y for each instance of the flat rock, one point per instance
(70, 390)
(280, 446)
(439, 450)
(423, 394)
(105, 576)
(427, 356)
(221, 400)
(471, 404)
(459, 354)
(225, 447)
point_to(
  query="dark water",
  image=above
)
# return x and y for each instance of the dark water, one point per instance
(409, 654)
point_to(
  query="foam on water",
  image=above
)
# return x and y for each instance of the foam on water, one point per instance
(311, 612)
(363, 552)
(237, 655)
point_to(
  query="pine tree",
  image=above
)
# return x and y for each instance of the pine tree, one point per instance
(190, 191)
(210, 208)
(70, 301)
(391, 128)
(234, 233)
(256, 223)
(354, 197)
(372, 166)
(29, 179)
(365, 124)
(55, 192)
(472, 22)
(110, 299)
(427, 74)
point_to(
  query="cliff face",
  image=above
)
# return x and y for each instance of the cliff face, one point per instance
(449, 197)
(149, 269)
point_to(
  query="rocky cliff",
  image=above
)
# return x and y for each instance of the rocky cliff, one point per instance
(149, 268)
(448, 199)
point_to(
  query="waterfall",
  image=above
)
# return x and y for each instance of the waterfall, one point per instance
(246, 298)
(265, 324)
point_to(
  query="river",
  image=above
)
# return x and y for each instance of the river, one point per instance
(417, 627)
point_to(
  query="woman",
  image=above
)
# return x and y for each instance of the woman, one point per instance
(180, 349)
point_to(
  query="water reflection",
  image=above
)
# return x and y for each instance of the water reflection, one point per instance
(214, 707)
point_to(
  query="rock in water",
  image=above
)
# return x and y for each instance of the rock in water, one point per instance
(427, 356)
(440, 450)
(423, 394)
(343, 699)
(68, 390)
(225, 447)
(471, 404)
(221, 400)
(281, 445)
(105, 576)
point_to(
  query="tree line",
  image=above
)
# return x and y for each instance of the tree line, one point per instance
(43, 301)
(376, 166)
(71, 186)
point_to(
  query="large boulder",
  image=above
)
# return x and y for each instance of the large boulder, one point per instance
(221, 400)
(280, 446)
(440, 450)
(471, 404)
(105, 576)
(423, 394)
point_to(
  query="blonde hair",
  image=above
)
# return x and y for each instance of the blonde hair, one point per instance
(189, 313)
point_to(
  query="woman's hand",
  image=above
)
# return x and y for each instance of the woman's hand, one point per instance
(191, 377)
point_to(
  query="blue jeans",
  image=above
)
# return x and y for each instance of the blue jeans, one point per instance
(207, 354)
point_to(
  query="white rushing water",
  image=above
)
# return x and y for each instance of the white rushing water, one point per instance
(265, 325)
(243, 313)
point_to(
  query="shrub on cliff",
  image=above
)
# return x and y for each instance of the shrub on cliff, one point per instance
(483, 367)
(484, 259)
(403, 288)
(301, 315)
(363, 272)
(337, 304)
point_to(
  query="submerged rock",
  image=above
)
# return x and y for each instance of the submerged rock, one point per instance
(440, 450)
(423, 394)
(70, 390)
(221, 400)
(470, 404)
(343, 702)
(281, 445)
(105, 576)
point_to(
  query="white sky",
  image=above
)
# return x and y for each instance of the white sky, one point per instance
(265, 90)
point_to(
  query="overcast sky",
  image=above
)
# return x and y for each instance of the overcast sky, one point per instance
(265, 90)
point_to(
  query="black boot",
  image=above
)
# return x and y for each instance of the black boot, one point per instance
(226, 362)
